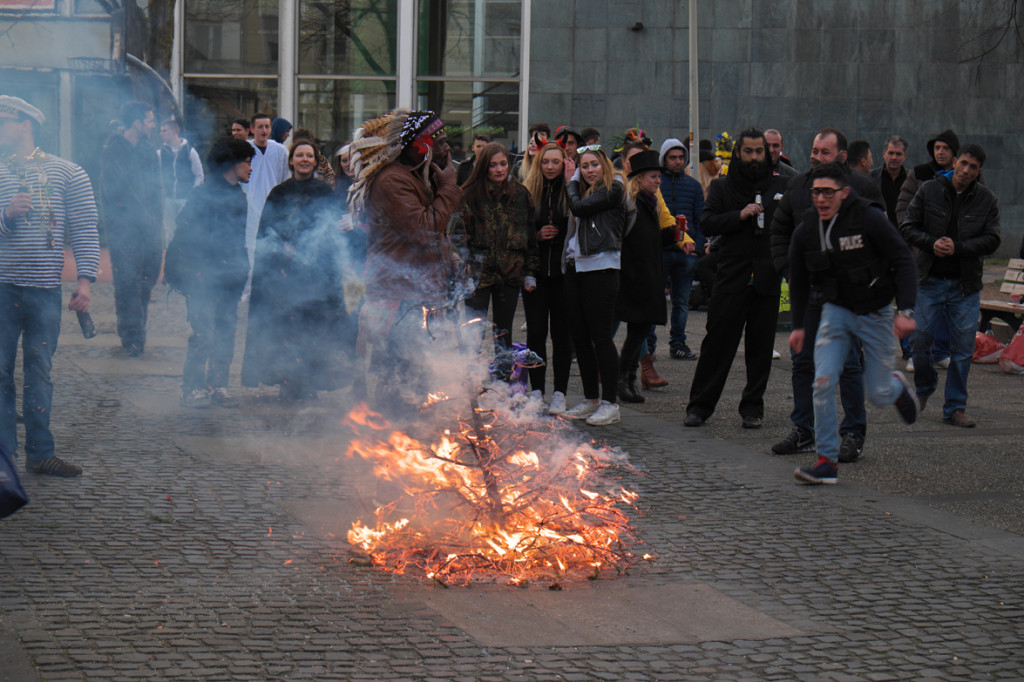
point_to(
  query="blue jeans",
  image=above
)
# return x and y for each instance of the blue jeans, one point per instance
(213, 315)
(33, 315)
(851, 382)
(135, 264)
(679, 269)
(840, 328)
(938, 301)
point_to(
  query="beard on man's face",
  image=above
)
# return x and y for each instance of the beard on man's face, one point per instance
(752, 169)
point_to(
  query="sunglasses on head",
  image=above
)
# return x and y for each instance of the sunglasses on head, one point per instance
(590, 148)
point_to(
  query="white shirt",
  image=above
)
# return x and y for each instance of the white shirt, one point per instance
(269, 169)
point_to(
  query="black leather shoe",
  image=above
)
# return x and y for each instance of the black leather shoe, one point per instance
(628, 393)
(693, 419)
(751, 422)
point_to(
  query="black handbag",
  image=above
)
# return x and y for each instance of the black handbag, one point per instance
(12, 495)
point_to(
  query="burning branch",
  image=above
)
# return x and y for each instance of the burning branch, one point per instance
(481, 502)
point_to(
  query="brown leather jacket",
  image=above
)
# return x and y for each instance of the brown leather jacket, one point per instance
(408, 254)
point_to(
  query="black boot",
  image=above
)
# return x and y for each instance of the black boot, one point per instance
(627, 390)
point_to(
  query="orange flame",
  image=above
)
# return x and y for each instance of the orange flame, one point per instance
(492, 499)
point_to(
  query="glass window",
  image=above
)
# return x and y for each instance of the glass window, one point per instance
(333, 109)
(350, 37)
(469, 38)
(231, 37)
(212, 103)
(92, 7)
(473, 107)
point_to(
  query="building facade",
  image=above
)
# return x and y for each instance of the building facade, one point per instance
(872, 68)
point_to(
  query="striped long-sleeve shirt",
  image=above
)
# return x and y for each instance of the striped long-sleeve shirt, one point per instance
(32, 245)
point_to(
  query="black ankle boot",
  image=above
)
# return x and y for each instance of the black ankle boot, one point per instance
(627, 391)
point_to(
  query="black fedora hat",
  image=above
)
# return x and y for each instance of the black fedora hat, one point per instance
(645, 161)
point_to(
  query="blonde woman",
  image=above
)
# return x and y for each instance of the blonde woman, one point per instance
(591, 260)
(545, 305)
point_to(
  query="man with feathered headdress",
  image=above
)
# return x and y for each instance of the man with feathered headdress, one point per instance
(405, 192)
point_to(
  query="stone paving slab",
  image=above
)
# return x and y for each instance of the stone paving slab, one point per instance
(210, 545)
(608, 615)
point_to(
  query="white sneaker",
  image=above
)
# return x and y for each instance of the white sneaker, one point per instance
(776, 354)
(943, 363)
(607, 413)
(910, 366)
(198, 398)
(220, 396)
(583, 409)
(557, 403)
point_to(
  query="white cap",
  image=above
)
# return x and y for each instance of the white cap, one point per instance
(18, 106)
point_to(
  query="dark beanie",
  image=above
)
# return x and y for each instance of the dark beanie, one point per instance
(707, 152)
(947, 136)
(278, 128)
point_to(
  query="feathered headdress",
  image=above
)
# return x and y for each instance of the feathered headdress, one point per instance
(632, 135)
(380, 141)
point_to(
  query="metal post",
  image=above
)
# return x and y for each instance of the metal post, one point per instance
(177, 66)
(524, 73)
(405, 87)
(694, 93)
(288, 72)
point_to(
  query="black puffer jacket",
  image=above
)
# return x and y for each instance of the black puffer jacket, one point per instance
(978, 236)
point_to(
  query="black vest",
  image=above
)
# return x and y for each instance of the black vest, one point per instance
(176, 171)
(852, 273)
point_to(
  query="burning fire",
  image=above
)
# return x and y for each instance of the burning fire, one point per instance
(493, 497)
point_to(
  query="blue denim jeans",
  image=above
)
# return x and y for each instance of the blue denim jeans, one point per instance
(679, 269)
(851, 382)
(941, 300)
(33, 315)
(838, 331)
(213, 315)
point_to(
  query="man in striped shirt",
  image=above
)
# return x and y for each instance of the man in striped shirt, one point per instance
(41, 198)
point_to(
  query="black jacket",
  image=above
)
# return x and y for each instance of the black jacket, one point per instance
(129, 191)
(797, 200)
(208, 250)
(866, 263)
(553, 210)
(928, 218)
(600, 218)
(641, 283)
(744, 248)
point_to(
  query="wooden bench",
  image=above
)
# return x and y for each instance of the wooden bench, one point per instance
(1008, 311)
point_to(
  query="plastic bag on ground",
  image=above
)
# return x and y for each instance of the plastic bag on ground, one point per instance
(987, 349)
(1012, 359)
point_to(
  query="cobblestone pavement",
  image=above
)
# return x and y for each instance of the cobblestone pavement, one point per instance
(210, 545)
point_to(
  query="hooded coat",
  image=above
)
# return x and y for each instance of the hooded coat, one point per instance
(921, 174)
(683, 196)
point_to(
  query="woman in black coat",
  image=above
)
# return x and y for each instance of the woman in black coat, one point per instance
(297, 317)
(545, 305)
(641, 300)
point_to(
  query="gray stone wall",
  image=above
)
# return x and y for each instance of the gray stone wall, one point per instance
(871, 68)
